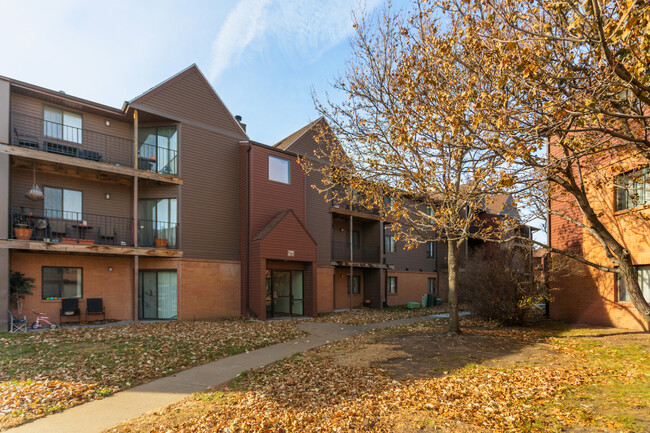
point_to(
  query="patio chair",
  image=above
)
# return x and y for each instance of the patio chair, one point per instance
(108, 233)
(17, 325)
(69, 308)
(58, 228)
(95, 306)
(28, 141)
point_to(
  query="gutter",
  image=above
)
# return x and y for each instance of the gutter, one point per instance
(248, 286)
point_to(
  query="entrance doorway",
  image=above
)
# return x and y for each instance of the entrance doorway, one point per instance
(284, 293)
(157, 295)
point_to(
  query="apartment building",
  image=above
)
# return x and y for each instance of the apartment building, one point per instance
(166, 209)
(584, 294)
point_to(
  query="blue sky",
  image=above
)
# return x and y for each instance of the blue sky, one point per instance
(261, 56)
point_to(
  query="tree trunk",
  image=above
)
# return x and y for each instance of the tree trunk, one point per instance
(629, 274)
(452, 264)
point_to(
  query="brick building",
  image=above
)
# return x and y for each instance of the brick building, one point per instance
(165, 209)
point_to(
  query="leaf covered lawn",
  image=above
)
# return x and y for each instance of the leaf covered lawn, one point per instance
(367, 316)
(43, 372)
(313, 392)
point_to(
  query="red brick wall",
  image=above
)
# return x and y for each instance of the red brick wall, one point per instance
(410, 287)
(325, 289)
(584, 294)
(115, 288)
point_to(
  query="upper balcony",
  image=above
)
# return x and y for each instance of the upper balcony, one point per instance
(58, 230)
(359, 254)
(70, 144)
(58, 138)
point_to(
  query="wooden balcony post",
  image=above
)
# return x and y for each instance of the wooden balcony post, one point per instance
(135, 139)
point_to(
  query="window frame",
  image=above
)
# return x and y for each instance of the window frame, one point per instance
(620, 285)
(432, 290)
(388, 285)
(81, 282)
(389, 240)
(63, 125)
(431, 255)
(158, 149)
(355, 279)
(49, 212)
(622, 191)
(284, 160)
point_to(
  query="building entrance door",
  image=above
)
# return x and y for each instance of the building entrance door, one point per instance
(284, 293)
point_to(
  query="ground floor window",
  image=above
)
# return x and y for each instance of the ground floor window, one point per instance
(157, 295)
(391, 285)
(644, 281)
(356, 285)
(59, 282)
(431, 286)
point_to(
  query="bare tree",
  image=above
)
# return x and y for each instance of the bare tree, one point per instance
(403, 144)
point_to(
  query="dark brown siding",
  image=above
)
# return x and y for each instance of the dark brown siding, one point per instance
(34, 107)
(319, 220)
(188, 97)
(209, 202)
(93, 198)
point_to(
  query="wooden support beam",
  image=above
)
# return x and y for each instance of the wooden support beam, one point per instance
(84, 164)
(88, 249)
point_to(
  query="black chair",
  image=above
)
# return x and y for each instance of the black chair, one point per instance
(69, 308)
(95, 306)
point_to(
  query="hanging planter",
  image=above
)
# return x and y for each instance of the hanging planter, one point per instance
(35, 192)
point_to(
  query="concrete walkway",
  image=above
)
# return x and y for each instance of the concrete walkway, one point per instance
(100, 415)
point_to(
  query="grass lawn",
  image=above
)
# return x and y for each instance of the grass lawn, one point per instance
(366, 316)
(43, 372)
(537, 378)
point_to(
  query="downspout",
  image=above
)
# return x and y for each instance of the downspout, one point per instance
(248, 286)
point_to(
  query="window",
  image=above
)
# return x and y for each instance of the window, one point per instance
(279, 169)
(356, 239)
(431, 286)
(62, 125)
(63, 203)
(429, 211)
(431, 250)
(61, 283)
(356, 285)
(157, 149)
(644, 282)
(633, 189)
(389, 243)
(157, 218)
(391, 285)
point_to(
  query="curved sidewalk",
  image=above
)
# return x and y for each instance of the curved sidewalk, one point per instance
(100, 415)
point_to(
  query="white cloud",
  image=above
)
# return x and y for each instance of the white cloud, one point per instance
(307, 28)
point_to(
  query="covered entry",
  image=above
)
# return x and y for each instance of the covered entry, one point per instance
(284, 293)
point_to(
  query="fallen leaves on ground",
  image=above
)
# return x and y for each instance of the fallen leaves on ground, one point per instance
(71, 366)
(366, 316)
(312, 393)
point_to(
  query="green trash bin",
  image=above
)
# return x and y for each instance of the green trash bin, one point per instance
(413, 305)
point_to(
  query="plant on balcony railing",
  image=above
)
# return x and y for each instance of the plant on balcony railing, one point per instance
(55, 225)
(158, 234)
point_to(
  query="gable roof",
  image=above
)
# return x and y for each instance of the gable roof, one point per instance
(288, 141)
(275, 221)
(188, 96)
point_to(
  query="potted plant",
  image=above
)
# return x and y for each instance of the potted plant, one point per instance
(21, 228)
(160, 242)
(19, 287)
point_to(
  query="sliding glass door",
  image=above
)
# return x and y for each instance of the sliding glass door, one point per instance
(157, 295)
(157, 218)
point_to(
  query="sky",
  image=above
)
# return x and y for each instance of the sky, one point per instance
(263, 57)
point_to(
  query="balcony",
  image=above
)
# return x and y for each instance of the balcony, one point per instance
(157, 159)
(157, 234)
(38, 134)
(363, 254)
(57, 226)
(56, 230)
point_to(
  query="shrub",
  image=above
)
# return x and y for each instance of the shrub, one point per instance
(497, 284)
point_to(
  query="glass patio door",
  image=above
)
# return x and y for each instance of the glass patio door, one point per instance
(284, 293)
(157, 295)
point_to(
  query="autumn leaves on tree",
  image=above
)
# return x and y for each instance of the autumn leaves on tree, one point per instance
(455, 101)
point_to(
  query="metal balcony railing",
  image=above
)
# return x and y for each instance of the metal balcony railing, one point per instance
(355, 207)
(52, 225)
(46, 136)
(367, 254)
(158, 234)
(157, 159)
